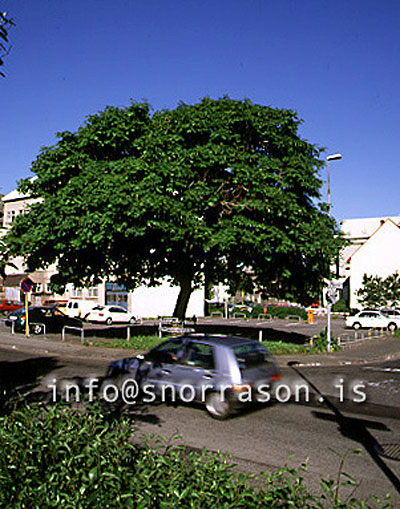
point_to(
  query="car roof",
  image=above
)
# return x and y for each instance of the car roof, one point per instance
(220, 339)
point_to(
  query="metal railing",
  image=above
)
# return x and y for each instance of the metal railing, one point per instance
(81, 329)
(265, 316)
(42, 328)
(294, 318)
(239, 315)
(172, 326)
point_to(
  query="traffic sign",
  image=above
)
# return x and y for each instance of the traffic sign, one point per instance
(27, 284)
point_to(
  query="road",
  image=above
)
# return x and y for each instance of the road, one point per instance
(259, 439)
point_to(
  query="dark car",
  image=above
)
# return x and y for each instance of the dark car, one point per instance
(214, 369)
(6, 306)
(41, 320)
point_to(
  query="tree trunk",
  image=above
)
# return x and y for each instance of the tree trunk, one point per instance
(207, 292)
(183, 298)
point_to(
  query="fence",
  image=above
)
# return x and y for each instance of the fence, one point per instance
(81, 329)
(357, 336)
(172, 326)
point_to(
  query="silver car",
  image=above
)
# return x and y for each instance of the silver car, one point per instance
(223, 372)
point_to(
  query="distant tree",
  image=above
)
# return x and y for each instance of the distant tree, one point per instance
(5, 24)
(371, 294)
(391, 289)
(378, 292)
(219, 191)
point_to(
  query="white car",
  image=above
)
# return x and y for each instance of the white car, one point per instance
(372, 319)
(110, 314)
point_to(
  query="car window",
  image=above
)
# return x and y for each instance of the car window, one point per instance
(166, 351)
(251, 355)
(199, 355)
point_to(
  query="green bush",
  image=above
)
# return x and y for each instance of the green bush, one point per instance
(320, 343)
(284, 311)
(75, 458)
(340, 307)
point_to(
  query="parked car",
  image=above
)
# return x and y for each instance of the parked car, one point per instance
(79, 308)
(391, 312)
(317, 310)
(368, 319)
(41, 319)
(208, 363)
(246, 306)
(110, 314)
(6, 306)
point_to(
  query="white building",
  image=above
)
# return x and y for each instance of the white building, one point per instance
(373, 250)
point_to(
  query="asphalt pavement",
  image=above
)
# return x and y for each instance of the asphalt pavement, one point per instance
(351, 358)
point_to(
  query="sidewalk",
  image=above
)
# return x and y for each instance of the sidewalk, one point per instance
(382, 349)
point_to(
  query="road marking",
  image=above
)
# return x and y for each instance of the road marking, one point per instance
(383, 370)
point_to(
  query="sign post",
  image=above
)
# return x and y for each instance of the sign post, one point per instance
(26, 287)
(332, 296)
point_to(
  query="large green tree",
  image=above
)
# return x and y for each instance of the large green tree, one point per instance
(221, 190)
(5, 24)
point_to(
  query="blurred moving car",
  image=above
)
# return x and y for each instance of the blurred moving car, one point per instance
(110, 315)
(6, 306)
(209, 364)
(369, 319)
(41, 319)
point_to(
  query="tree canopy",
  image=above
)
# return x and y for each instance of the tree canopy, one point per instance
(5, 24)
(219, 191)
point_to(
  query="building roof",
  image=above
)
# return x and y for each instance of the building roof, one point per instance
(385, 223)
(363, 228)
(15, 195)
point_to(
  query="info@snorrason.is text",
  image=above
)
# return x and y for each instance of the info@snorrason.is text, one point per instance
(130, 391)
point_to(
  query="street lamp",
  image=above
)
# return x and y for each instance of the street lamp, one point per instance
(333, 157)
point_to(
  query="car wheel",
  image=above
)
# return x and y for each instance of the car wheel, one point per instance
(132, 320)
(356, 326)
(36, 329)
(217, 407)
(109, 321)
(392, 327)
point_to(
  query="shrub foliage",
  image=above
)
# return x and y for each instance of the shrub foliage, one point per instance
(74, 458)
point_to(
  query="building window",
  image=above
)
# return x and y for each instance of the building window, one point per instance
(93, 291)
(38, 288)
(76, 292)
(11, 215)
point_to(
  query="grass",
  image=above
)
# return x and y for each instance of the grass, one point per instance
(147, 342)
(135, 343)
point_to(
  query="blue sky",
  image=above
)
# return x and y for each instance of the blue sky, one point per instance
(336, 62)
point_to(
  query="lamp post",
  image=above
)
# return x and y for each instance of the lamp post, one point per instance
(333, 157)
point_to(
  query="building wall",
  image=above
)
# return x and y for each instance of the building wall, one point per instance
(379, 256)
(150, 302)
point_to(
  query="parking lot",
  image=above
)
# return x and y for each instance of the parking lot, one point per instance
(291, 330)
